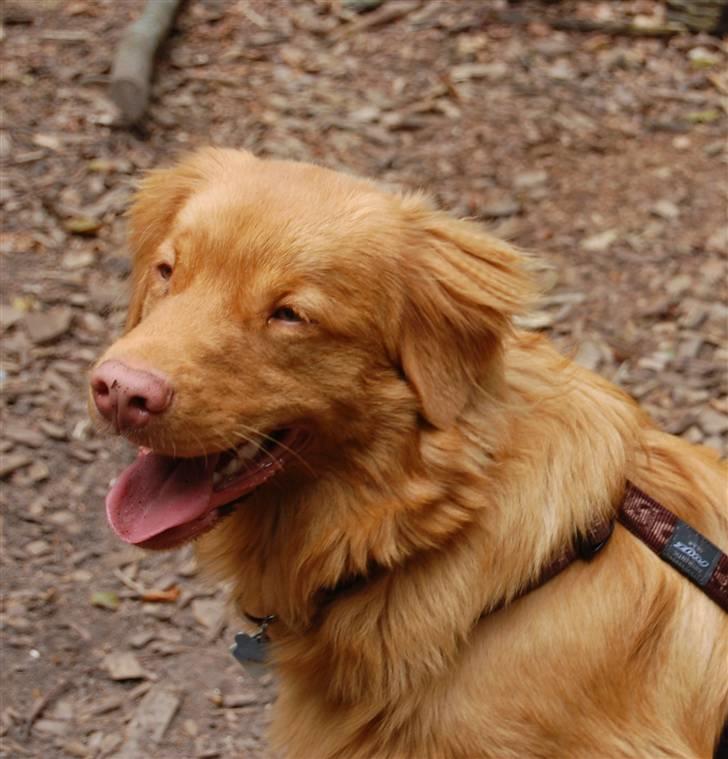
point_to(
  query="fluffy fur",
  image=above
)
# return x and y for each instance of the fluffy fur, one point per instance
(452, 458)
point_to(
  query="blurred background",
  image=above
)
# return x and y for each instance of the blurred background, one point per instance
(593, 133)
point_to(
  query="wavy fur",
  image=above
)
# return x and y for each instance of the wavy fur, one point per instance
(454, 457)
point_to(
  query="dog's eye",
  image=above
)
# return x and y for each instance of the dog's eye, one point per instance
(286, 314)
(164, 270)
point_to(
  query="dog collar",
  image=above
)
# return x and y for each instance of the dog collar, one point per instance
(673, 540)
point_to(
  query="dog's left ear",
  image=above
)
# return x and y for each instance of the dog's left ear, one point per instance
(463, 287)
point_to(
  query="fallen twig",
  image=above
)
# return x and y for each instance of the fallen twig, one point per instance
(615, 28)
(387, 14)
(253, 17)
(42, 703)
(132, 71)
(718, 83)
(699, 15)
(17, 748)
(137, 587)
(694, 98)
(150, 595)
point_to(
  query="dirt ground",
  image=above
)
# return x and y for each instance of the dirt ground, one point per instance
(605, 154)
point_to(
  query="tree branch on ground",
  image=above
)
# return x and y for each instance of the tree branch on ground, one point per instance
(131, 74)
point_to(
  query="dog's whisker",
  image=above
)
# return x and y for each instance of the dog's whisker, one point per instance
(281, 445)
(261, 448)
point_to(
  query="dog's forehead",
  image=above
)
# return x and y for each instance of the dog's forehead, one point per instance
(299, 214)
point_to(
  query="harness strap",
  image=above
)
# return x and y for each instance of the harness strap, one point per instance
(674, 541)
(585, 548)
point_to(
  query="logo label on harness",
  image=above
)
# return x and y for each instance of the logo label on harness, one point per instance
(691, 553)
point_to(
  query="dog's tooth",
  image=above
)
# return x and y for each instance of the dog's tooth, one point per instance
(248, 451)
(216, 477)
(232, 467)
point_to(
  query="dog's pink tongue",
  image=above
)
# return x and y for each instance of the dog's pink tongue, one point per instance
(157, 493)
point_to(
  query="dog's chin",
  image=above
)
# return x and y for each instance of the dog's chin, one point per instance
(161, 502)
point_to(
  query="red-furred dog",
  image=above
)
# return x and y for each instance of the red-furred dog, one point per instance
(325, 384)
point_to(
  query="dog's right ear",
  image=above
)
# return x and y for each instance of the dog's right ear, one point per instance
(159, 198)
(157, 201)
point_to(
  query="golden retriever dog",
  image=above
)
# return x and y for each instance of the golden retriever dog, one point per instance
(328, 392)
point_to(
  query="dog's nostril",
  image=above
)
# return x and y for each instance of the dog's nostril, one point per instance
(138, 402)
(100, 387)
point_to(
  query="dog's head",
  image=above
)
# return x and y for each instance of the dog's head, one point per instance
(283, 319)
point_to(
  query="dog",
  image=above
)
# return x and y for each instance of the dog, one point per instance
(328, 394)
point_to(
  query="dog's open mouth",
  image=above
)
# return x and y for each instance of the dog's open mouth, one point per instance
(160, 501)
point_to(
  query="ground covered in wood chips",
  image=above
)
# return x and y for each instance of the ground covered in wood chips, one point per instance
(604, 153)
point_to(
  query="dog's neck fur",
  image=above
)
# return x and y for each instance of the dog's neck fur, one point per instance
(477, 510)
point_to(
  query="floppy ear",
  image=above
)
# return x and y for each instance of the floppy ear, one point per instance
(160, 196)
(463, 288)
(158, 199)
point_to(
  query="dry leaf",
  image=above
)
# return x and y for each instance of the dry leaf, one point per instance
(105, 599)
(83, 225)
(162, 596)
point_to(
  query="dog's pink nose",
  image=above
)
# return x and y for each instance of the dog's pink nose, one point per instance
(128, 397)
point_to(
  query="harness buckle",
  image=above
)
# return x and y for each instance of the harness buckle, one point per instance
(596, 538)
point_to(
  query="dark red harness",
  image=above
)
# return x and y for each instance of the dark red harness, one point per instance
(673, 540)
(692, 554)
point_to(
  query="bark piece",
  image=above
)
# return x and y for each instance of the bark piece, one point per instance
(150, 722)
(123, 665)
(208, 612)
(46, 326)
(8, 464)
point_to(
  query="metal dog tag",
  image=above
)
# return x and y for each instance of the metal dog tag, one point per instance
(252, 650)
